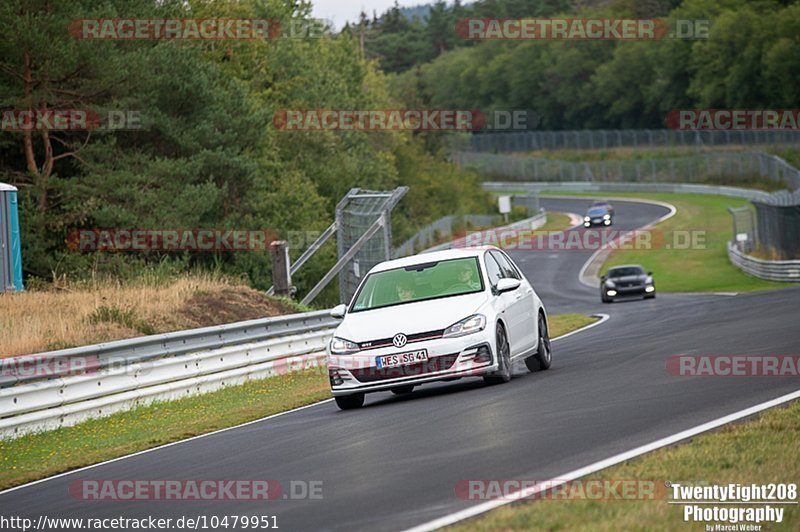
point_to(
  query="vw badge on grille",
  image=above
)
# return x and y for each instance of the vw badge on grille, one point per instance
(399, 340)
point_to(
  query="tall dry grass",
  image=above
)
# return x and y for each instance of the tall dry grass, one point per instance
(67, 315)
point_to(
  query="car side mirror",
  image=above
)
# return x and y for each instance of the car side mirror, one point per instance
(603, 278)
(338, 311)
(650, 273)
(507, 285)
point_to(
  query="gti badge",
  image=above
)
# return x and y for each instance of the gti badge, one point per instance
(399, 340)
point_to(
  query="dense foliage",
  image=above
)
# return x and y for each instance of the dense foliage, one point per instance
(208, 155)
(751, 60)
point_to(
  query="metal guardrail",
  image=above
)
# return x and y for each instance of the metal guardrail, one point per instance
(68, 400)
(42, 391)
(770, 270)
(124, 352)
(590, 186)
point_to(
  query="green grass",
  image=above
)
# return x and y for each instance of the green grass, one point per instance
(125, 317)
(696, 269)
(43, 454)
(556, 221)
(614, 154)
(789, 154)
(761, 451)
(564, 323)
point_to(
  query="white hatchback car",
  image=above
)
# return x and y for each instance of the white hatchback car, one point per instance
(436, 316)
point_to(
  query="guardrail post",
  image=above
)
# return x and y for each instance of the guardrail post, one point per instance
(281, 277)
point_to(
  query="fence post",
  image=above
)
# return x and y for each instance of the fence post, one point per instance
(281, 277)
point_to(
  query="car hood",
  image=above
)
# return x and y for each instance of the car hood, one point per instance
(409, 318)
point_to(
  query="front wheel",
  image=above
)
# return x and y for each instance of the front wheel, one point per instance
(349, 402)
(544, 356)
(503, 373)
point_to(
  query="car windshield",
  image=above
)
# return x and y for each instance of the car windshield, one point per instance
(622, 272)
(418, 282)
(597, 211)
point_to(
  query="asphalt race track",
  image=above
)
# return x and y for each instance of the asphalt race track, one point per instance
(394, 464)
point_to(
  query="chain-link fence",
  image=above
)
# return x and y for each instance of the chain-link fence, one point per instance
(358, 214)
(529, 202)
(700, 168)
(618, 138)
(778, 226)
(446, 227)
(744, 228)
(443, 228)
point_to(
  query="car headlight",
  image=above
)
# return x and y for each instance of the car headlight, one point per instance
(586, 219)
(610, 283)
(606, 217)
(340, 346)
(470, 325)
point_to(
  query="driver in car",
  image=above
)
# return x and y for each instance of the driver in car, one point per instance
(405, 292)
(466, 277)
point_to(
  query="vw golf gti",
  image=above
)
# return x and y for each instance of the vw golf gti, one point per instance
(436, 316)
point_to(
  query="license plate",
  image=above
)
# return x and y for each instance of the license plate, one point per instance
(401, 359)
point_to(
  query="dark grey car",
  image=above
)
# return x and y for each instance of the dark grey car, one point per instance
(627, 280)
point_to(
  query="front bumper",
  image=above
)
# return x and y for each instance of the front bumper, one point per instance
(597, 221)
(467, 356)
(623, 291)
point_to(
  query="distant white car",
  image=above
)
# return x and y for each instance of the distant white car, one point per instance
(436, 316)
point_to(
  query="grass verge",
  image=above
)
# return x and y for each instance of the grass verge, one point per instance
(48, 453)
(761, 451)
(67, 314)
(556, 221)
(697, 268)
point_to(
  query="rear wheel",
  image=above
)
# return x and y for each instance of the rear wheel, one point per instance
(349, 402)
(544, 356)
(503, 373)
(402, 390)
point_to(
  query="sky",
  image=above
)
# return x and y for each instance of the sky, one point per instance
(342, 11)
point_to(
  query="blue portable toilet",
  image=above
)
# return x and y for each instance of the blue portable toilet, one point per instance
(10, 245)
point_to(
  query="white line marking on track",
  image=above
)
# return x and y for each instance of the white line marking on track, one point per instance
(602, 464)
(162, 447)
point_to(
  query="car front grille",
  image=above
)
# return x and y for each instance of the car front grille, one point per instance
(411, 338)
(432, 365)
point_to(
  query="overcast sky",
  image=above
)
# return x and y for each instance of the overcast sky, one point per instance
(342, 11)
